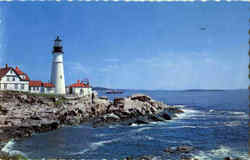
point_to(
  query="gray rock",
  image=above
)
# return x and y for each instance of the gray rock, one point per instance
(140, 97)
(103, 97)
(166, 116)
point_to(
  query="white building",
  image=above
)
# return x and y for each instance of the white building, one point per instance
(57, 71)
(13, 79)
(48, 88)
(35, 86)
(80, 89)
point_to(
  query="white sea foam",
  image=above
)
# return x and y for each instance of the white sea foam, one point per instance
(80, 152)
(177, 127)
(149, 138)
(113, 126)
(233, 123)
(241, 115)
(188, 113)
(96, 145)
(101, 135)
(238, 113)
(9, 149)
(211, 110)
(140, 129)
(220, 153)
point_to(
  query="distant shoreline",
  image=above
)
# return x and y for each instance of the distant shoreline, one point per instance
(181, 90)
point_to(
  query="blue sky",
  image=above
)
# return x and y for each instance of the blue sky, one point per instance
(131, 45)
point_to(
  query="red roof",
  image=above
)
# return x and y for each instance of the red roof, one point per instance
(4, 71)
(48, 85)
(18, 71)
(35, 83)
(26, 77)
(78, 85)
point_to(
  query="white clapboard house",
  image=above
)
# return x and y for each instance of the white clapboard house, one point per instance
(13, 79)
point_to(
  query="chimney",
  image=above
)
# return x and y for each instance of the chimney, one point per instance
(6, 65)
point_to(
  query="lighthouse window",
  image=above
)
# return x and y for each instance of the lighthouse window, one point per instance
(61, 76)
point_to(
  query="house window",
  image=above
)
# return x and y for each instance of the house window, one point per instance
(8, 79)
(22, 86)
(16, 86)
(13, 79)
(34, 88)
(5, 86)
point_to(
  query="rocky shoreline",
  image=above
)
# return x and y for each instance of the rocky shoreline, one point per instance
(22, 114)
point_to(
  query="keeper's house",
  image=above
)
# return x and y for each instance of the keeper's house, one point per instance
(13, 79)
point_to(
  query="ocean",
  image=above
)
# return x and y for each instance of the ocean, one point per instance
(215, 123)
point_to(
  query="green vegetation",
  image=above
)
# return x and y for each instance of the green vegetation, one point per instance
(32, 94)
(60, 101)
(6, 156)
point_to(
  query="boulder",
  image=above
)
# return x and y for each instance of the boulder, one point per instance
(138, 121)
(111, 116)
(155, 118)
(179, 149)
(184, 149)
(140, 97)
(166, 116)
(118, 100)
(170, 150)
(103, 97)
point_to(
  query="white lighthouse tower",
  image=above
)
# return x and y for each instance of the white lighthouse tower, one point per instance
(57, 72)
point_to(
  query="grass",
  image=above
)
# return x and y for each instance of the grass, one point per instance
(60, 101)
(6, 156)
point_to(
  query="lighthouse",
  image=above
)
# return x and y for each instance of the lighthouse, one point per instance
(57, 71)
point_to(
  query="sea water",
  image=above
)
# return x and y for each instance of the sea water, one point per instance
(215, 123)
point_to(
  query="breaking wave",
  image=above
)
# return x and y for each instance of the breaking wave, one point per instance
(220, 153)
(8, 148)
(94, 146)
